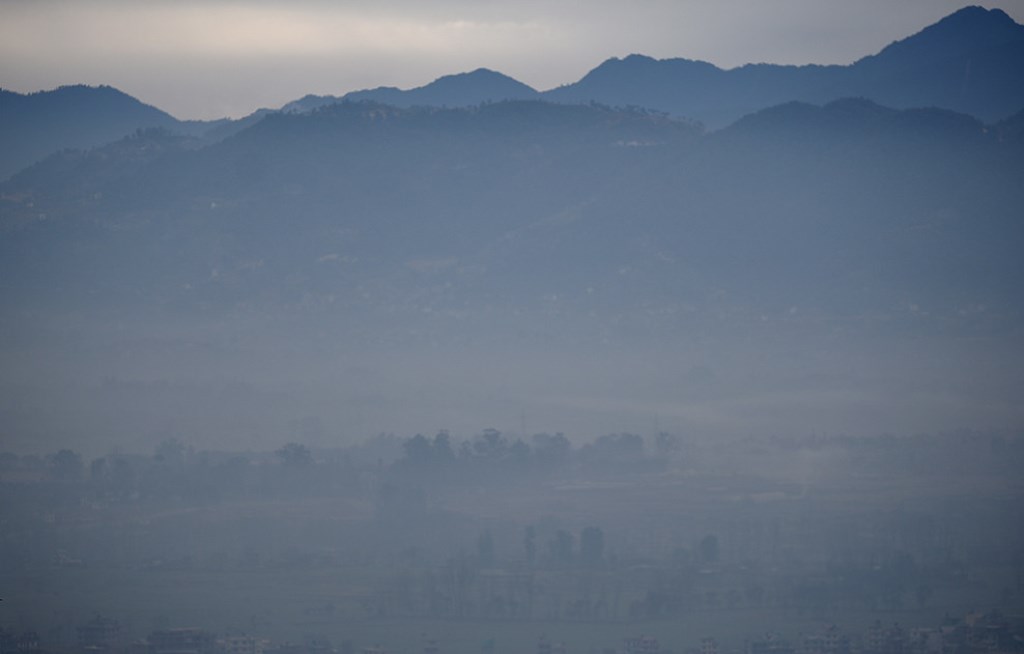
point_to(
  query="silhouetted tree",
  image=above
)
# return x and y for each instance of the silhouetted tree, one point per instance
(666, 444)
(561, 547)
(66, 465)
(294, 455)
(418, 451)
(615, 452)
(490, 445)
(442, 451)
(170, 452)
(551, 451)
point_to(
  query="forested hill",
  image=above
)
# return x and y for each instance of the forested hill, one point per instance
(590, 265)
(513, 202)
(37, 124)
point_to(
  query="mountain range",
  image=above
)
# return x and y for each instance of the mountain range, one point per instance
(585, 263)
(365, 267)
(971, 62)
(483, 188)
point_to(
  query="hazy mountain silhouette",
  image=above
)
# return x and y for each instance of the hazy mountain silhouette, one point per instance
(485, 187)
(430, 263)
(971, 61)
(856, 120)
(34, 125)
(835, 262)
(459, 90)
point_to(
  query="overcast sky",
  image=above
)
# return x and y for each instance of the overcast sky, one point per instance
(211, 58)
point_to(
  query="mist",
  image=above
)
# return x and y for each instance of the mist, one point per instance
(671, 359)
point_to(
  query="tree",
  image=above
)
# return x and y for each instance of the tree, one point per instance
(666, 444)
(442, 450)
(66, 465)
(613, 451)
(294, 455)
(422, 452)
(417, 450)
(551, 451)
(170, 452)
(560, 548)
(490, 445)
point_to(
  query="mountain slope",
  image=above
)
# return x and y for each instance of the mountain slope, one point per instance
(535, 196)
(971, 61)
(459, 90)
(848, 266)
(36, 124)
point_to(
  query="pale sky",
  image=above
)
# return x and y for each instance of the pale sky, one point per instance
(213, 58)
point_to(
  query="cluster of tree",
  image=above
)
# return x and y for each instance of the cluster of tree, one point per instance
(177, 470)
(491, 452)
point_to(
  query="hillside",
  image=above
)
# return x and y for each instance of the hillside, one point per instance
(970, 62)
(591, 265)
(37, 124)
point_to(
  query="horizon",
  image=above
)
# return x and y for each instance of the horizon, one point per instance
(181, 58)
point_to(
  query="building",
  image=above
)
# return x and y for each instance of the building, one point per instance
(642, 645)
(770, 644)
(100, 636)
(181, 641)
(241, 644)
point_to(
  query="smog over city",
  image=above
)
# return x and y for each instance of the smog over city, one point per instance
(662, 327)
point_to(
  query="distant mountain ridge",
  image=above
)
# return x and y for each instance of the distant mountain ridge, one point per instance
(37, 124)
(534, 189)
(971, 62)
(458, 90)
(34, 125)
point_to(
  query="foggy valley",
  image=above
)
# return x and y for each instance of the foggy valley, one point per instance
(674, 358)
